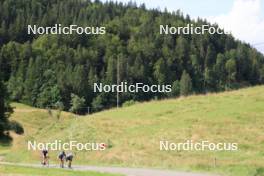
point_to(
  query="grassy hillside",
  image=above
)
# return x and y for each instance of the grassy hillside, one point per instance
(134, 133)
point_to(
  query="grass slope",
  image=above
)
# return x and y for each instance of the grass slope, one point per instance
(134, 133)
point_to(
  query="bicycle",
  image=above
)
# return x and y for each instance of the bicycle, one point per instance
(45, 161)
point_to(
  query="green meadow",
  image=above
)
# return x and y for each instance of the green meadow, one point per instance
(8, 170)
(133, 133)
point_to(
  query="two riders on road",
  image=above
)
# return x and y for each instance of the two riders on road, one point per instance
(62, 157)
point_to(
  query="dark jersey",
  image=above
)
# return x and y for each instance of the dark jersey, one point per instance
(69, 157)
(61, 155)
(45, 152)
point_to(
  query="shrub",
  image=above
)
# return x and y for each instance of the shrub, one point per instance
(129, 103)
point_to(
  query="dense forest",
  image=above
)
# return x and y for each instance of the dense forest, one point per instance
(59, 71)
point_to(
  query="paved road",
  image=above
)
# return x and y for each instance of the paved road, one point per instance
(122, 170)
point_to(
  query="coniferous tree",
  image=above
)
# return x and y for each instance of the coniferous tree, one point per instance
(5, 112)
(4, 109)
(160, 71)
(132, 41)
(186, 84)
(176, 89)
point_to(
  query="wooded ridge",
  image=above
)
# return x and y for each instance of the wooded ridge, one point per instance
(60, 70)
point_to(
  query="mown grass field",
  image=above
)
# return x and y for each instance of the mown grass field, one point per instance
(134, 133)
(7, 170)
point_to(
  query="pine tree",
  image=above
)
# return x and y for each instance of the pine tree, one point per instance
(186, 84)
(231, 71)
(176, 89)
(5, 112)
(213, 62)
(4, 109)
(160, 71)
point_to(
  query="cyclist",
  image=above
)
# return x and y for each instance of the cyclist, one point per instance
(69, 158)
(45, 157)
(61, 158)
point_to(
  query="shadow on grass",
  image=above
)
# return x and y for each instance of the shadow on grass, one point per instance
(259, 172)
(5, 139)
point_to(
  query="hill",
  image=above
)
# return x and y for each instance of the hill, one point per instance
(133, 133)
(47, 70)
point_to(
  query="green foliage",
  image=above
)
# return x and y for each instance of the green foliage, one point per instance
(59, 108)
(259, 172)
(5, 112)
(176, 89)
(59, 105)
(98, 103)
(15, 87)
(185, 84)
(77, 104)
(16, 127)
(231, 70)
(23, 171)
(41, 70)
(192, 116)
(160, 71)
(129, 103)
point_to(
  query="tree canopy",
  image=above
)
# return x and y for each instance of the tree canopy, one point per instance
(41, 70)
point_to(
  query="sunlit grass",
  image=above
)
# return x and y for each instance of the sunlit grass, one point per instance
(134, 132)
(6, 170)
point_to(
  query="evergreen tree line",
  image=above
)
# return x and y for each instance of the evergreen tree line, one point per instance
(59, 71)
(5, 112)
